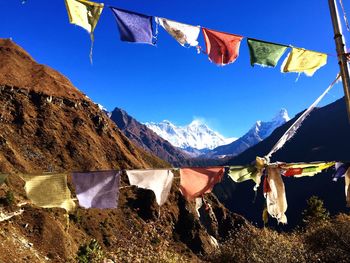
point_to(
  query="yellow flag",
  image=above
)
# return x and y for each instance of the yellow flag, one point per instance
(301, 60)
(84, 13)
(49, 190)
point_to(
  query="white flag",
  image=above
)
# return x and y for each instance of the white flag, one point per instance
(159, 181)
(183, 33)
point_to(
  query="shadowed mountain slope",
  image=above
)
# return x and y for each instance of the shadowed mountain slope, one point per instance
(323, 136)
(147, 139)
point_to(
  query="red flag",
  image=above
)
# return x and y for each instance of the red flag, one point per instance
(293, 171)
(267, 187)
(195, 182)
(222, 48)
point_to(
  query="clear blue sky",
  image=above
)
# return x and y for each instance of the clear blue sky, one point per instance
(172, 82)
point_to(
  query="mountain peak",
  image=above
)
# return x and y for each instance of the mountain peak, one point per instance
(260, 131)
(19, 69)
(196, 135)
(282, 115)
(196, 122)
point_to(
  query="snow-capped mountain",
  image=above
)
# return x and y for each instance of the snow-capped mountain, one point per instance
(256, 134)
(195, 136)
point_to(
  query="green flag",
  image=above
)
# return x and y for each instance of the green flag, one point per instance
(243, 173)
(265, 53)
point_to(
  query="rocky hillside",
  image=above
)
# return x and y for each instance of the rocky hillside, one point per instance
(46, 124)
(147, 139)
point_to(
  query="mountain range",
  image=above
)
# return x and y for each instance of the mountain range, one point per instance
(324, 135)
(196, 138)
(260, 131)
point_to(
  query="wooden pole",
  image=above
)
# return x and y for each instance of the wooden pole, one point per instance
(341, 50)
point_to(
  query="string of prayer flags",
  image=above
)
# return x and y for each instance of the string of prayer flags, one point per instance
(49, 191)
(297, 124)
(194, 182)
(222, 48)
(304, 169)
(275, 195)
(186, 35)
(340, 170)
(265, 53)
(3, 178)
(84, 14)
(159, 181)
(301, 60)
(97, 189)
(134, 27)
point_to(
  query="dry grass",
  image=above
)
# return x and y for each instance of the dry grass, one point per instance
(323, 241)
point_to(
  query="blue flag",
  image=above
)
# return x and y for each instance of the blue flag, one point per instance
(340, 170)
(134, 27)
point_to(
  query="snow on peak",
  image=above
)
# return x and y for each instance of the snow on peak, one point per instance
(263, 129)
(194, 135)
(281, 116)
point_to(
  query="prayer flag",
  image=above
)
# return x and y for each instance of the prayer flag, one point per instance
(301, 60)
(183, 33)
(340, 170)
(195, 182)
(49, 190)
(159, 181)
(347, 188)
(297, 124)
(293, 172)
(243, 173)
(304, 169)
(276, 200)
(222, 48)
(98, 189)
(265, 53)
(84, 14)
(134, 27)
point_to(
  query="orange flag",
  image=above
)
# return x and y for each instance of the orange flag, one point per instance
(195, 182)
(222, 48)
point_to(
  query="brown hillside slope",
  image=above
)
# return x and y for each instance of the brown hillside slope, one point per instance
(48, 124)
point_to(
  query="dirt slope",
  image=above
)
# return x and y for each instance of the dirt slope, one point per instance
(46, 124)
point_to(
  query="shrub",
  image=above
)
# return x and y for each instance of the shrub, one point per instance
(250, 244)
(315, 211)
(330, 241)
(9, 198)
(90, 253)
